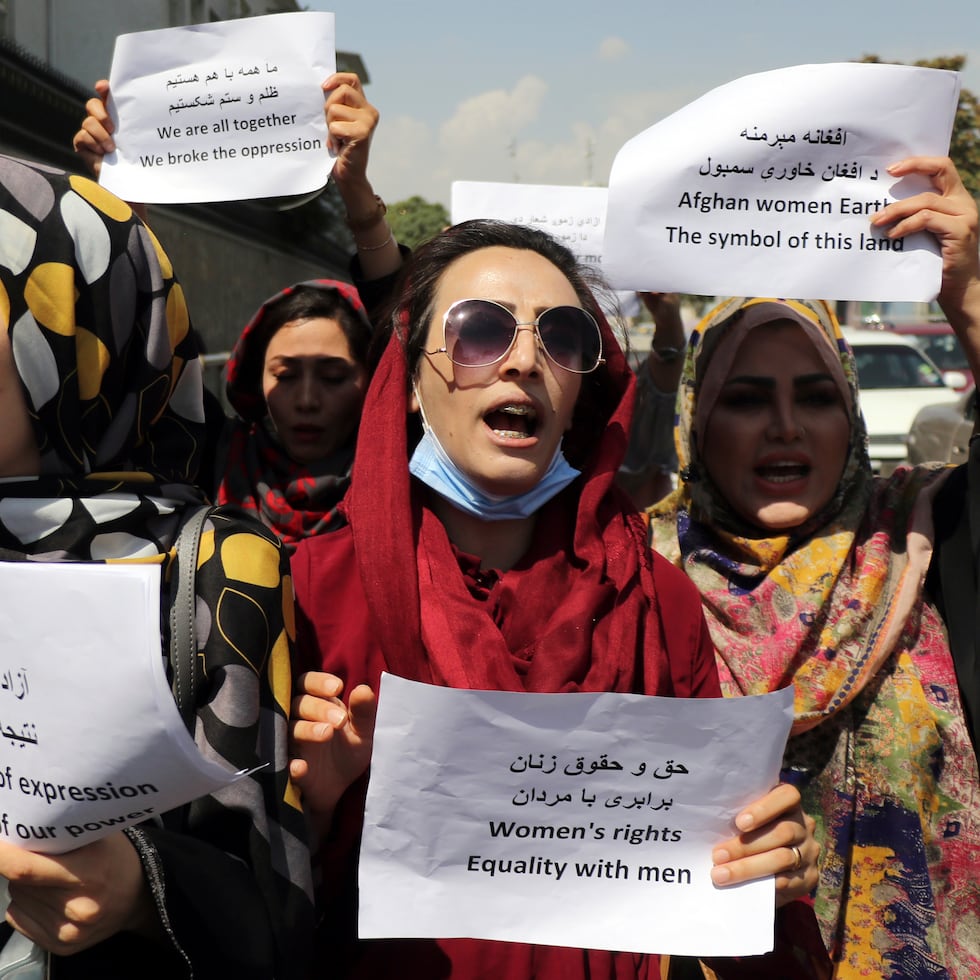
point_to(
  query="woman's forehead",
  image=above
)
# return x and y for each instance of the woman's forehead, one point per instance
(508, 275)
(777, 348)
(768, 345)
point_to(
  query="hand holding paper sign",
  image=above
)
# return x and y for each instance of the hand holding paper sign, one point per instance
(330, 744)
(331, 748)
(950, 213)
(69, 902)
(94, 139)
(774, 830)
(221, 111)
(482, 805)
(351, 122)
(947, 210)
(778, 204)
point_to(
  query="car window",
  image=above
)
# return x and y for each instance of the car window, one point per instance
(944, 350)
(893, 313)
(895, 367)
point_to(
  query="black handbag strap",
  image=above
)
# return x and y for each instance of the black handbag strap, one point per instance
(183, 639)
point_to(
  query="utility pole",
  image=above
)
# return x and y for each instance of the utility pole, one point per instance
(589, 158)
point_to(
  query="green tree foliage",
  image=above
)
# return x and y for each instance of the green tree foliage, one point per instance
(964, 147)
(415, 220)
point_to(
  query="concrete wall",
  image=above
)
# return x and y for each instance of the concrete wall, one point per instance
(228, 261)
(226, 277)
(76, 37)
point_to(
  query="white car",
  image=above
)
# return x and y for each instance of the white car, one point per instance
(941, 433)
(896, 380)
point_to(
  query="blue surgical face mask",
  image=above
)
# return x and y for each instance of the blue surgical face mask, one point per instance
(431, 464)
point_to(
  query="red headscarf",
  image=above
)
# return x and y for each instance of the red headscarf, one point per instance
(589, 607)
(584, 614)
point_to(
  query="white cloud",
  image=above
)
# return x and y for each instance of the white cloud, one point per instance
(586, 152)
(402, 154)
(613, 49)
(634, 112)
(507, 135)
(494, 115)
(482, 139)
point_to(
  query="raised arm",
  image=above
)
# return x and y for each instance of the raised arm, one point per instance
(351, 121)
(950, 213)
(666, 350)
(94, 138)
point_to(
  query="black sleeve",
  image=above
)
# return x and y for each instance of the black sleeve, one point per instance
(376, 293)
(215, 909)
(213, 916)
(953, 576)
(215, 449)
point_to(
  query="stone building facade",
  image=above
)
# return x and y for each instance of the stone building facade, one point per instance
(229, 257)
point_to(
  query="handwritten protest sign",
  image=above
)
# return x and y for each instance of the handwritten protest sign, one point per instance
(90, 738)
(221, 112)
(766, 186)
(576, 216)
(581, 820)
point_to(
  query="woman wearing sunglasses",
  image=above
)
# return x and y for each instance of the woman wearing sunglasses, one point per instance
(488, 548)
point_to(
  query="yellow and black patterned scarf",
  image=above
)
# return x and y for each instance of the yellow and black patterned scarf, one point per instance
(109, 367)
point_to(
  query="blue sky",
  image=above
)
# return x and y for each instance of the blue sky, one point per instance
(546, 91)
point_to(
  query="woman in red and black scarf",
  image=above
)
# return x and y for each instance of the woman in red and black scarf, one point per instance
(296, 380)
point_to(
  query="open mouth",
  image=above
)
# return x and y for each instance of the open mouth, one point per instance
(512, 421)
(783, 472)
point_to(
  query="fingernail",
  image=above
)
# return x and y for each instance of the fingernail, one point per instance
(336, 716)
(720, 856)
(721, 876)
(745, 821)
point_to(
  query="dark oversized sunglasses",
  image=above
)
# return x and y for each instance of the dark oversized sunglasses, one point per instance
(480, 332)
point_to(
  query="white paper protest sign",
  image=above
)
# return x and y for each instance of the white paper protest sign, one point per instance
(576, 216)
(221, 112)
(766, 186)
(90, 738)
(583, 820)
